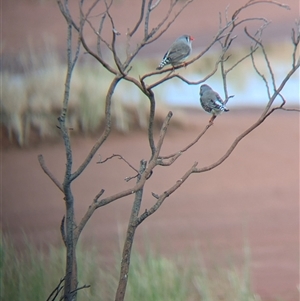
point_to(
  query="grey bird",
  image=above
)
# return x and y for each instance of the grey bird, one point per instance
(211, 102)
(178, 52)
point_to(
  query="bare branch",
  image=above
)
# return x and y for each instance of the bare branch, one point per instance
(154, 30)
(126, 254)
(253, 49)
(106, 132)
(162, 134)
(80, 288)
(170, 69)
(97, 57)
(296, 41)
(48, 173)
(98, 33)
(167, 193)
(62, 231)
(255, 67)
(84, 44)
(99, 39)
(155, 5)
(113, 43)
(99, 194)
(168, 77)
(56, 291)
(151, 97)
(87, 215)
(264, 115)
(146, 25)
(266, 59)
(189, 145)
(253, 2)
(170, 161)
(140, 19)
(119, 157)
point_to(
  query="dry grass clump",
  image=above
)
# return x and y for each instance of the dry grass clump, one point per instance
(31, 102)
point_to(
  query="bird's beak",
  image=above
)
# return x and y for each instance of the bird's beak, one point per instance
(192, 38)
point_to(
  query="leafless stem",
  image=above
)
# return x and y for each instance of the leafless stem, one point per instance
(99, 194)
(295, 40)
(146, 25)
(257, 70)
(164, 195)
(266, 113)
(216, 39)
(253, 49)
(99, 39)
(106, 132)
(170, 161)
(189, 145)
(48, 172)
(151, 98)
(119, 157)
(62, 231)
(113, 42)
(140, 19)
(162, 134)
(126, 254)
(154, 30)
(56, 291)
(155, 5)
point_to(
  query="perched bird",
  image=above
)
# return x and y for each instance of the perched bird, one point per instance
(211, 102)
(178, 52)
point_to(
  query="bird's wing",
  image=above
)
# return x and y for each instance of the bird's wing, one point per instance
(219, 99)
(178, 52)
(214, 100)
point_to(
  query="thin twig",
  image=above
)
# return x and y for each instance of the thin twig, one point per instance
(99, 194)
(262, 118)
(48, 173)
(113, 42)
(119, 157)
(167, 193)
(99, 39)
(105, 133)
(62, 231)
(80, 288)
(296, 41)
(189, 145)
(146, 25)
(151, 98)
(57, 290)
(130, 34)
(155, 5)
(256, 68)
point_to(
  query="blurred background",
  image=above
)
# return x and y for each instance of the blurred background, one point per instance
(252, 199)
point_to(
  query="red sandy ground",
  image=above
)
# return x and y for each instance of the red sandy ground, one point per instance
(252, 198)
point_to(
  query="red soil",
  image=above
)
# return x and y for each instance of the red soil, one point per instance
(252, 198)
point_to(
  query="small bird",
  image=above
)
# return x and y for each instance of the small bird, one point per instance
(211, 102)
(178, 52)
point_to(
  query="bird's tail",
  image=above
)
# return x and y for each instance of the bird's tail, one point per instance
(163, 63)
(224, 108)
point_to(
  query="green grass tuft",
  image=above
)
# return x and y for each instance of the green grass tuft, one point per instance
(30, 274)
